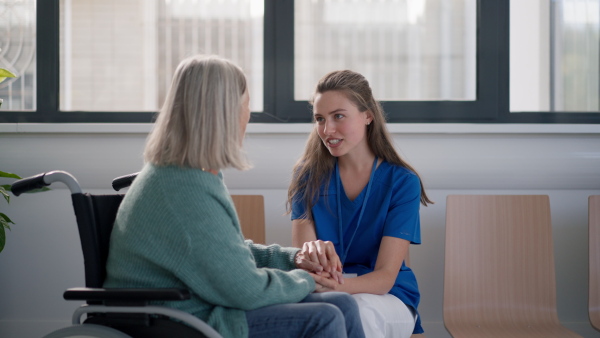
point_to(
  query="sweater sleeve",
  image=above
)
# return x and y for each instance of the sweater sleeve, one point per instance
(221, 268)
(273, 256)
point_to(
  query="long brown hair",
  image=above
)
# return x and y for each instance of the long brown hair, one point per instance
(316, 164)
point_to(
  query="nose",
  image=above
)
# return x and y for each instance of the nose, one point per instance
(328, 127)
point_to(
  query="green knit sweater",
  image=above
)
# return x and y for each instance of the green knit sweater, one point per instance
(178, 228)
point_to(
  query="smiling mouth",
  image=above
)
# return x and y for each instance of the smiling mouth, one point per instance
(334, 141)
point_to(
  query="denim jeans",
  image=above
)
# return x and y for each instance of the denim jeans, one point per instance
(327, 315)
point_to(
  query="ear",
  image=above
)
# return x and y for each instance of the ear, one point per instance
(368, 117)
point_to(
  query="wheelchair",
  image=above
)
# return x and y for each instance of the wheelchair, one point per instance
(112, 313)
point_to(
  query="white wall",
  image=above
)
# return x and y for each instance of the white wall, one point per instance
(42, 256)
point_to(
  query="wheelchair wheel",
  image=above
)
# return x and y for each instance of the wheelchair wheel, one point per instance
(87, 331)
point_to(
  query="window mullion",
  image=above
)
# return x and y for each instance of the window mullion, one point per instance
(47, 45)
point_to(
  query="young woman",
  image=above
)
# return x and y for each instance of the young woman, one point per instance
(355, 205)
(177, 226)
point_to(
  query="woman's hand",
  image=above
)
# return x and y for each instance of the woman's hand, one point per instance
(323, 284)
(318, 257)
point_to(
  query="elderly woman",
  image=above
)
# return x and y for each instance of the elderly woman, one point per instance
(177, 226)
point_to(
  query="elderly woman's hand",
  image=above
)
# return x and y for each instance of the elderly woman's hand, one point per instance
(320, 257)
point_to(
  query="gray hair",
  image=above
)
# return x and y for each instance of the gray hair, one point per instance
(199, 123)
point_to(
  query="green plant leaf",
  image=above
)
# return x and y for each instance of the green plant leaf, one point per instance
(2, 238)
(4, 224)
(9, 175)
(4, 74)
(4, 220)
(5, 194)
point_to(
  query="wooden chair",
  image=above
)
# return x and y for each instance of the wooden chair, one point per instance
(499, 277)
(251, 212)
(594, 248)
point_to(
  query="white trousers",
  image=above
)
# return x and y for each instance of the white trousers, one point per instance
(385, 316)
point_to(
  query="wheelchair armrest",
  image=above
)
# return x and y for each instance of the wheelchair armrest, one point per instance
(124, 296)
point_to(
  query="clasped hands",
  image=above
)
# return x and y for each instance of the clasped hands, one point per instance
(322, 262)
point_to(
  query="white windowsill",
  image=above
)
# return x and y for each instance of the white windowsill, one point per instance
(303, 128)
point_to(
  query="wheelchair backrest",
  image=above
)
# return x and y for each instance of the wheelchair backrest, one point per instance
(95, 216)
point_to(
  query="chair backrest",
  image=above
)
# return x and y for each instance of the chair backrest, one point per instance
(499, 263)
(594, 248)
(251, 212)
(95, 216)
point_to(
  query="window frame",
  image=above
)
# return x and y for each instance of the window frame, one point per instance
(483, 109)
(492, 74)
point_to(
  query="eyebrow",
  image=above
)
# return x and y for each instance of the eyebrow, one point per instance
(335, 111)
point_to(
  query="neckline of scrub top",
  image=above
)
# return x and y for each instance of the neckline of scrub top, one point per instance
(338, 180)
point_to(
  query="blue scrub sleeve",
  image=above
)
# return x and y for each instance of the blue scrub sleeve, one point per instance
(403, 219)
(298, 210)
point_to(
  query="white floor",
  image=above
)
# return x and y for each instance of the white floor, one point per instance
(25, 329)
(437, 330)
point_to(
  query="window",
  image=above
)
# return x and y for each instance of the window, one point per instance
(554, 56)
(408, 50)
(17, 54)
(436, 62)
(121, 55)
(427, 60)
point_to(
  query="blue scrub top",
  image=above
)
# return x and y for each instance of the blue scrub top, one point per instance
(392, 209)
